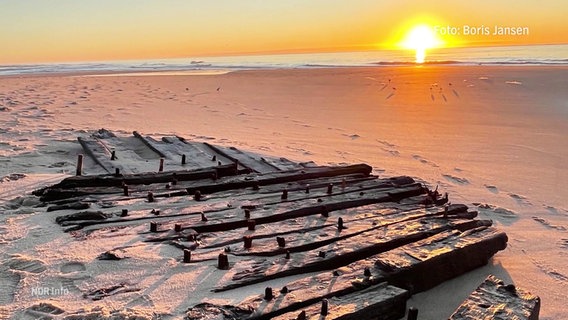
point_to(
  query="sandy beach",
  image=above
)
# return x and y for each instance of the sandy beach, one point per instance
(493, 137)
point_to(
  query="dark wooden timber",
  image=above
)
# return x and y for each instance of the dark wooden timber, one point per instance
(150, 143)
(212, 153)
(202, 176)
(217, 221)
(493, 299)
(343, 253)
(143, 178)
(99, 153)
(282, 177)
(351, 278)
(330, 234)
(234, 154)
(378, 302)
(305, 211)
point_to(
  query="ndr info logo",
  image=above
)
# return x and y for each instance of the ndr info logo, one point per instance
(49, 291)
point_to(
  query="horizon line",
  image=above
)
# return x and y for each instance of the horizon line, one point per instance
(298, 51)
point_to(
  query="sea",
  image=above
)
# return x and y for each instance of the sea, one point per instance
(501, 55)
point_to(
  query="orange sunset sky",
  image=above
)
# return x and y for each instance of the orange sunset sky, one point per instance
(76, 30)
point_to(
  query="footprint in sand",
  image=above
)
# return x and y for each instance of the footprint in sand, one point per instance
(563, 243)
(389, 148)
(8, 284)
(424, 161)
(27, 264)
(12, 271)
(455, 180)
(352, 136)
(503, 215)
(551, 272)
(552, 209)
(43, 310)
(393, 153)
(70, 267)
(492, 188)
(71, 272)
(387, 144)
(141, 301)
(521, 200)
(548, 224)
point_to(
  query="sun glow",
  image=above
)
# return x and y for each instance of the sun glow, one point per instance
(420, 38)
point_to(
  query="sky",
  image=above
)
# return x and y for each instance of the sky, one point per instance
(33, 31)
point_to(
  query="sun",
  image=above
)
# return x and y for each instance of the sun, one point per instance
(420, 38)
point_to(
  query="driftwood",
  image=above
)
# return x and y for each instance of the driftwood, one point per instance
(495, 300)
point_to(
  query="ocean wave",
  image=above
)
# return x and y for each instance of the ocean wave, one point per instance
(538, 55)
(405, 63)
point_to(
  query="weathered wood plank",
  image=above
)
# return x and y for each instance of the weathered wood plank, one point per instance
(195, 157)
(378, 302)
(495, 300)
(225, 221)
(71, 186)
(352, 277)
(294, 231)
(309, 240)
(206, 150)
(222, 206)
(281, 177)
(203, 184)
(340, 253)
(425, 256)
(127, 154)
(353, 218)
(282, 163)
(100, 154)
(241, 222)
(153, 145)
(256, 165)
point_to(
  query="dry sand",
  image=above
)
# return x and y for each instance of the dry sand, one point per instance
(493, 137)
